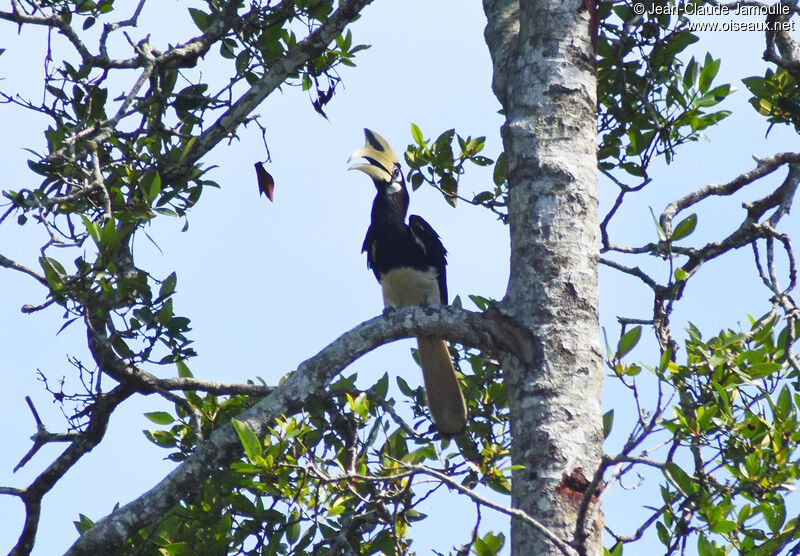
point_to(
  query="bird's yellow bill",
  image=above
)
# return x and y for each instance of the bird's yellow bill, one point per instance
(379, 154)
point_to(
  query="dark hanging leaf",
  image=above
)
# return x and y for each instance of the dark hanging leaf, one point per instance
(168, 286)
(266, 184)
(323, 97)
(66, 324)
(499, 174)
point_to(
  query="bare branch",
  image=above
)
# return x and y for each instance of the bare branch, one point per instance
(8, 263)
(564, 546)
(764, 166)
(82, 444)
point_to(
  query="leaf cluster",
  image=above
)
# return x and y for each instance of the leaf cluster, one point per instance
(731, 454)
(650, 101)
(435, 163)
(340, 476)
(776, 96)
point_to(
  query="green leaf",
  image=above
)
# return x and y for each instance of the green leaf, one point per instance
(250, 442)
(499, 174)
(201, 19)
(483, 197)
(168, 286)
(480, 160)
(86, 6)
(608, 422)
(662, 236)
(92, 228)
(382, 386)
(243, 61)
(706, 547)
(774, 514)
(663, 533)
(690, 75)
(416, 133)
(161, 438)
(177, 549)
(404, 387)
(680, 274)
(154, 187)
(83, 524)
(416, 181)
(450, 185)
(708, 73)
(784, 405)
(183, 370)
(680, 479)
(109, 233)
(160, 417)
(121, 347)
(761, 370)
(628, 341)
(686, 227)
(757, 85)
(293, 528)
(489, 545)
(49, 263)
(723, 526)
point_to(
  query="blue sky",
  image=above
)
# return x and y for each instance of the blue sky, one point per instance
(268, 285)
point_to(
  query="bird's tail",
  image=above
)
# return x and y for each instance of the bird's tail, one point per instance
(445, 399)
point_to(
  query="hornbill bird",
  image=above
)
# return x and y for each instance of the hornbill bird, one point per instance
(409, 262)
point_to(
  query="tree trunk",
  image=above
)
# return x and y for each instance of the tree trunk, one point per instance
(544, 76)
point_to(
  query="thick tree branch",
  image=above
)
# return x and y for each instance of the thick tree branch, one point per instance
(307, 49)
(486, 331)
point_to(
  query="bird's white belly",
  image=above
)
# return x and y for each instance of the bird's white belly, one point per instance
(409, 286)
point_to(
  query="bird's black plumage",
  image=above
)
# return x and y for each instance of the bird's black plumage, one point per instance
(390, 243)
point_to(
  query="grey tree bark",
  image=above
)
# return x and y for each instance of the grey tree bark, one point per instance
(544, 76)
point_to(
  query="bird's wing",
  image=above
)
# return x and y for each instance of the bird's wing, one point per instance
(435, 253)
(368, 247)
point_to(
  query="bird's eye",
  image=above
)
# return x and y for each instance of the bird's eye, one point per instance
(396, 172)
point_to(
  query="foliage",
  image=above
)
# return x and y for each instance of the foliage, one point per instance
(727, 418)
(347, 472)
(776, 96)
(434, 163)
(340, 476)
(720, 426)
(101, 185)
(649, 101)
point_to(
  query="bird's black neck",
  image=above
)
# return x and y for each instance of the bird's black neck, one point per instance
(389, 209)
